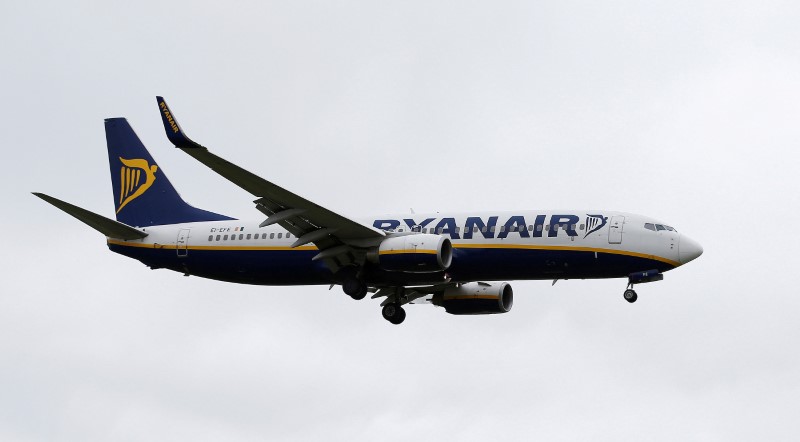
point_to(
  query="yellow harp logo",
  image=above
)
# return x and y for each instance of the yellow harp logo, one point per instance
(136, 176)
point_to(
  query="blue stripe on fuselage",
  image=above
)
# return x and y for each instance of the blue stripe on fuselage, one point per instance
(286, 266)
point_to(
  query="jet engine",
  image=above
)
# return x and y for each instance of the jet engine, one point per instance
(476, 298)
(415, 253)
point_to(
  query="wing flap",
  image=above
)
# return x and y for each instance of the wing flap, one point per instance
(108, 227)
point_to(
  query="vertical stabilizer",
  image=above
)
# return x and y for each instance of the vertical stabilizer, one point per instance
(143, 195)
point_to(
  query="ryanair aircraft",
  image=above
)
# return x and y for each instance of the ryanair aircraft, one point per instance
(439, 259)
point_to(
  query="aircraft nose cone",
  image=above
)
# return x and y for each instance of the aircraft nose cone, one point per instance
(689, 249)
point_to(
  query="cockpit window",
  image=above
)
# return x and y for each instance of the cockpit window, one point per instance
(670, 229)
(650, 226)
(660, 227)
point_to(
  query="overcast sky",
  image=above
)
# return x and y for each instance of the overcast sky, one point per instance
(682, 110)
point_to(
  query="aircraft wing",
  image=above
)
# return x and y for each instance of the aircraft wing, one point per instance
(336, 236)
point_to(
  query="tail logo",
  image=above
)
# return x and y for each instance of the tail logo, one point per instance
(136, 176)
(594, 223)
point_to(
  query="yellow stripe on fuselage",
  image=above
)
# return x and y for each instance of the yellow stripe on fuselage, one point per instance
(390, 252)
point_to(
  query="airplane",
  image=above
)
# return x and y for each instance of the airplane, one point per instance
(458, 261)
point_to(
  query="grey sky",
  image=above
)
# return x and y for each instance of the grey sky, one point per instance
(685, 111)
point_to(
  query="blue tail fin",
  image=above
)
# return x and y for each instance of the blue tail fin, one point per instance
(143, 195)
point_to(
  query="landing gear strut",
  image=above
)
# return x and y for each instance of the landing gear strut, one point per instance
(630, 294)
(393, 313)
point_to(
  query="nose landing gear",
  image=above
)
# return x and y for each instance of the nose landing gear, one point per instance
(640, 278)
(630, 295)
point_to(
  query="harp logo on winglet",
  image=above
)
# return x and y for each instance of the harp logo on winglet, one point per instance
(168, 116)
(136, 176)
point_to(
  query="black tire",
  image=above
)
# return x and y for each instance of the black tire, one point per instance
(630, 296)
(354, 288)
(389, 311)
(400, 317)
(393, 313)
(361, 293)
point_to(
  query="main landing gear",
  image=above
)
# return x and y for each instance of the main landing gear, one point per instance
(357, 289)
(354, 288)
(393, 313)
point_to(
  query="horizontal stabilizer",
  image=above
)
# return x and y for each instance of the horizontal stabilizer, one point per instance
(108, 227)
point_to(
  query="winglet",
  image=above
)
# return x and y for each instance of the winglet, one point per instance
(175, 134)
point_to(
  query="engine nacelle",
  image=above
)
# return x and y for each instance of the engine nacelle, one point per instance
(476, 298)
(415, 253)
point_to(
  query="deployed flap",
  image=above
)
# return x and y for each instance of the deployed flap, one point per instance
(108, 227)
(293, 212)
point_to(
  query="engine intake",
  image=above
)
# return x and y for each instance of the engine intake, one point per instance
(476, 298)
(415, 253)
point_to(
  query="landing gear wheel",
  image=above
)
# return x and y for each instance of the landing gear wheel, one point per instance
(630, 296)
(354, 288)
(393, 313)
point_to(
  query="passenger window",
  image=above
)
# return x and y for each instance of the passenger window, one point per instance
(650, 226)
(288, 235)
(458, 229)
(539, 228)
(210, 237)
(530, 228)
(439, 230)
(272, 236)
(248, 236)
(225, 238)
(263, 236)
(280, 235)
(483, 229)
(660, 227)
(233, 237)
(241, 236)
(217, 237)
(547, 227)
(581, 227)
